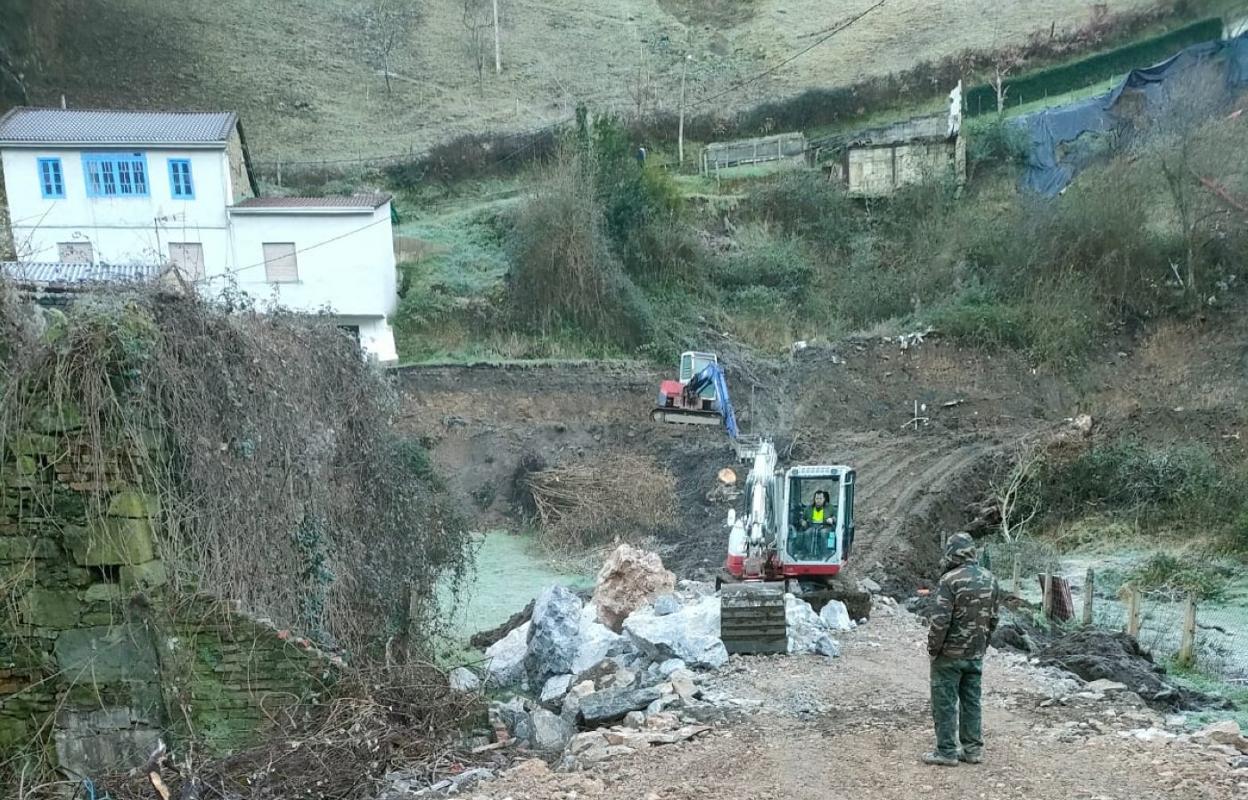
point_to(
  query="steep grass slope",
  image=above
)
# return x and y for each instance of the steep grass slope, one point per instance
(298, 73)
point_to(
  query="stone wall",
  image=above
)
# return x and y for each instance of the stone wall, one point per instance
(879, 170)
(98, 657)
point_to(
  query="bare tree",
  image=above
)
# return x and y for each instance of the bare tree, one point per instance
(1000, 87)
(385, 26)
(1180, 129)
(478, 19)
(1010, 491)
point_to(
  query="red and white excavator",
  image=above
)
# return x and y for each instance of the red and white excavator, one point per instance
(778, 544)
(783, 544)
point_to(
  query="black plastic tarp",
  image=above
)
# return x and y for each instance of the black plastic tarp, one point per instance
(1054, 156)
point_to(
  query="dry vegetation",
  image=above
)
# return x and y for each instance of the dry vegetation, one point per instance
(590, 504)
(267, 444)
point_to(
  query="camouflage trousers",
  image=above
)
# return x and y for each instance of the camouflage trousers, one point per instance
(955, 705)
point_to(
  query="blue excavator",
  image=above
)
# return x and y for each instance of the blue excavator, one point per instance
(699, 395)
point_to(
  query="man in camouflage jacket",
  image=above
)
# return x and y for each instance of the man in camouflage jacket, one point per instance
(961, 627)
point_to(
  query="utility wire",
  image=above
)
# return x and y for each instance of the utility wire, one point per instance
(831, 32)
(262, 263)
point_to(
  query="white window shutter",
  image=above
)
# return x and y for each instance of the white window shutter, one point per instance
(280, 265)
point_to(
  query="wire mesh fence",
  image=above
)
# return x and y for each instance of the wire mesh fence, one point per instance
(1208, 636)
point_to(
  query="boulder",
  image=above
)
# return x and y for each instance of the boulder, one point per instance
(462, 679)
(629, 578)
(835, 616)
(554, 634)
(683, 685)
(514, 715)
(505, 658)
(550, 732)
(666, 604)
(691, 634)
(612, 704)
(555, 690)
(596, 641)
(621, 678)
(869, 586)
(807, 633)
(669, 666)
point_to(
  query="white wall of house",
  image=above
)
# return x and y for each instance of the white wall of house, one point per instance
(343, 257)
(120, 229)
(344, 262)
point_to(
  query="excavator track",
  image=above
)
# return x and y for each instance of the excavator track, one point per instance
(751, 618)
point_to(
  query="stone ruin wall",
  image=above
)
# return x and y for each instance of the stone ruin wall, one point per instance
(98, 659)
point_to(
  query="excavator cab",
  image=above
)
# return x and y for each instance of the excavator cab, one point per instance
(817, 541)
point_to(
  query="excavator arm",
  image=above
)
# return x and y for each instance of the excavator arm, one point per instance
(713, 375)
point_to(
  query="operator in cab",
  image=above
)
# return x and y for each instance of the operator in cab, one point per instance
(819, 511)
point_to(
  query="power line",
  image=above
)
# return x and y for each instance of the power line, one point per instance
(832, 32)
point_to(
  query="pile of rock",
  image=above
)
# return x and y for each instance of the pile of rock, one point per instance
(626, 667)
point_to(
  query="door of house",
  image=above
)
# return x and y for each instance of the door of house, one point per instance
(188, 259)
(75, 252)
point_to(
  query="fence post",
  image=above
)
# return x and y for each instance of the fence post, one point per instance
(1133, 612)
(1088, 583)
(1047, 583)
(1018, 565)
(1187, 646)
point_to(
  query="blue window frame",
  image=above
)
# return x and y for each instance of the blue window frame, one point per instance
(180, 178)
(115, 174)
(51, 180)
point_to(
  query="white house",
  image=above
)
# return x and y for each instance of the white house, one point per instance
(127, 188)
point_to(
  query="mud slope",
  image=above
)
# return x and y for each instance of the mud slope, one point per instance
(848, 404)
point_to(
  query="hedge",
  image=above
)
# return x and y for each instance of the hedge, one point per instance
(1079, 74)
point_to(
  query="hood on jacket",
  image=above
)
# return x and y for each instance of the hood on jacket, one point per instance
(959, 550)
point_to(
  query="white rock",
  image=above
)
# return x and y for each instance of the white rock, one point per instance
(597, 641)
(691, 634)
(505, 658)
(669, 666)
(550, 732)
(555, 689)
(835, 616)
(870, 586)
(462, 679)
(634, 720)
(807, 632)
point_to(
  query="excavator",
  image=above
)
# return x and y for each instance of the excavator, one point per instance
(780, 543)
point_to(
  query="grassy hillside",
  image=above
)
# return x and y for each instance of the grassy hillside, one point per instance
(298, 73)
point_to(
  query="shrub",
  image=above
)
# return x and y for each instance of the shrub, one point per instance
(998, 142)
(980, 320)
(804, 204)
(1171, 575)
(1127, 475)
(764, 259)
(564, 273)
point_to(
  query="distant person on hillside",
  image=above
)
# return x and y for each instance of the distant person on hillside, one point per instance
(961, 627)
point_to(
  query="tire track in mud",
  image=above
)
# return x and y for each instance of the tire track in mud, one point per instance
(911, 489)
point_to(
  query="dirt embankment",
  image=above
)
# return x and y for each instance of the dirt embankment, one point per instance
(847, 404)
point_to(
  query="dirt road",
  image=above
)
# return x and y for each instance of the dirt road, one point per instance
(855, 727)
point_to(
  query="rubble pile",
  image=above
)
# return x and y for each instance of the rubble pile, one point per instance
(625, 670)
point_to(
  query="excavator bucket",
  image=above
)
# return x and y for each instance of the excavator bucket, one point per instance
(751, 618)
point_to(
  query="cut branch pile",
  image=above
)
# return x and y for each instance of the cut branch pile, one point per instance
(595, 502)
